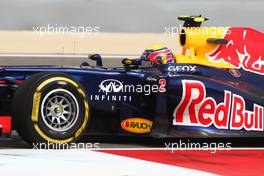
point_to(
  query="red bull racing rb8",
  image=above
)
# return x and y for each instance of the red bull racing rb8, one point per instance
(213, 88)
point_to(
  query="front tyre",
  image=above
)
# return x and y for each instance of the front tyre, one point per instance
(50, 107)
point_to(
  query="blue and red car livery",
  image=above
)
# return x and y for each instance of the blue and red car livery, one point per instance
(214, 91)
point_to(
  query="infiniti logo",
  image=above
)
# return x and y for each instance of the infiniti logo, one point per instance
(122, 92)
(110, 85)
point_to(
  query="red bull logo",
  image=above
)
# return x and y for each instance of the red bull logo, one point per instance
(245, 49)
(196, 109)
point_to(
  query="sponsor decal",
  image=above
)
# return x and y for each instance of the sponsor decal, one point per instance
(103, 97)
(244, 50)
(111, 85)
(114, 90)
(184, 68)
(136, 125)
(195, 109)
(175, 70)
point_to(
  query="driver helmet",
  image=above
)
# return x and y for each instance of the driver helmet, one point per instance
(158, 54)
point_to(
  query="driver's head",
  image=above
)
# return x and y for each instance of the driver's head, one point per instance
(158, 54)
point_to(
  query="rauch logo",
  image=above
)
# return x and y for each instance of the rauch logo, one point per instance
(137, 125)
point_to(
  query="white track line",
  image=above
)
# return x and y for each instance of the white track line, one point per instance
(82, 162)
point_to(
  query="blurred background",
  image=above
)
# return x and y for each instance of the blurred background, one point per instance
(123, 28)
(128, 15)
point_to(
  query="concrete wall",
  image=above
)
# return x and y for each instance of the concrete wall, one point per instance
(104, 43)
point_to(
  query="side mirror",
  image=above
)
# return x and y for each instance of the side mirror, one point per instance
(97, 58)
(84, 64)
(133, 62)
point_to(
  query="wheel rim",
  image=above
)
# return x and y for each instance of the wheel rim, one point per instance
(59, 110)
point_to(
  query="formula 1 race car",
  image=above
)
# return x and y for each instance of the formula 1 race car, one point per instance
(214, 89)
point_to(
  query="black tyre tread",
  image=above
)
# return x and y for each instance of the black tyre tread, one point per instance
(18, 111)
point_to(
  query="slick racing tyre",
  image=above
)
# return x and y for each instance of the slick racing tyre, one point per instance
(50, 107)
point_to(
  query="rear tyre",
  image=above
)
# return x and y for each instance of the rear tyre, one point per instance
(50, 107)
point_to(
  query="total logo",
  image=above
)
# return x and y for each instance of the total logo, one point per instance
(136, 125)
(195, 109)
